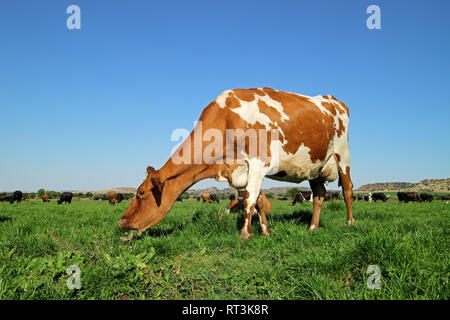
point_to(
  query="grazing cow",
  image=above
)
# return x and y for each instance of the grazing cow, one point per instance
(16, 196)
(408, 196)
(65, 197)
(45, 198)
(280, 135)
(379, 196)
(283, 198)
(302, 196)
(25, 198)
(198, 199)
(426, 197)
(368, 198)
(112, 197)
(209, 198)
(5, 199)
(119, 197)
(335, 196)
(360, 198)
(445, 198)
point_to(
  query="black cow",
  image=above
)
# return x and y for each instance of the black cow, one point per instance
(426, 197)
(379, 196)
(65, 197)
(368, 198)
(301, 196)
(16, 196)
(214, 197)
(408, 196)
(119, 197)
(334, 195)
(445, 198)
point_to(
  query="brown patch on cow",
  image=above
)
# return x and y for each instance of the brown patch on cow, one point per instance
(343, 106)
(243, 194)
(245, 94)
(269, 111)
(341, 128)
(338, 157)
(315, 129)
(232, 102)
(258, 92)
(329, 107)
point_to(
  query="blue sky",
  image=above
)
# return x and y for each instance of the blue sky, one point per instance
(91, 108)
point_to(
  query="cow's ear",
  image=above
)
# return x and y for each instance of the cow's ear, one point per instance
(154, 178)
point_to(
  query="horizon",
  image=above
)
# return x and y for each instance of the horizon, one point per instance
(225, 186)
(91, 108)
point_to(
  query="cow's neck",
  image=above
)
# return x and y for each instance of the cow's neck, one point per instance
(179, 177)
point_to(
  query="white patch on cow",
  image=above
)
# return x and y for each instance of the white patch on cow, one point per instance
(313, 227)
(239, 177)
(221, 99)
(221, 178)
(350, 222)
(249, 111)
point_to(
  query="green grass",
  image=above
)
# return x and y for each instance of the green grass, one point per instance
(195, 253)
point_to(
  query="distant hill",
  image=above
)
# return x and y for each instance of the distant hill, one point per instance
(437, 185)
(121, 190)
(276, 191)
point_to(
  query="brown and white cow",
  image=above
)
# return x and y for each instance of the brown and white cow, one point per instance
(301, 138)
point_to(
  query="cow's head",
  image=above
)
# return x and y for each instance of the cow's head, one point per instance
(146, 209)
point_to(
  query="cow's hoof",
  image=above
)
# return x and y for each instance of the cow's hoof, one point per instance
(265, 233)
(351, 222)
(313, 228)
(127, 238)
(245, 236)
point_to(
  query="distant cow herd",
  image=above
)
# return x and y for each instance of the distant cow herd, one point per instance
(236, 204)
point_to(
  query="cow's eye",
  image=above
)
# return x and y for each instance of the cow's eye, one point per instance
(141, 193)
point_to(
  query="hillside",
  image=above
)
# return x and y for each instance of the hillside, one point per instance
(437, 185)
(121, 190)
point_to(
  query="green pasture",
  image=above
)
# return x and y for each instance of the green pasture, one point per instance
(195, 252)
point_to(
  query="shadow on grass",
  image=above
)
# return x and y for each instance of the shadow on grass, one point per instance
(5, 218)
(300, 217)
(156, 232)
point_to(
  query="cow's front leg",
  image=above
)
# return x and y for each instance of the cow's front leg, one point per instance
(250, 195)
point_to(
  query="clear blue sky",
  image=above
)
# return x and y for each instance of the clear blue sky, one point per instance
(91, 108)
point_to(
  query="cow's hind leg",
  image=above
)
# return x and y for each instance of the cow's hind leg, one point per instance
(264, 226)
(318, 192)
(347, 189)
